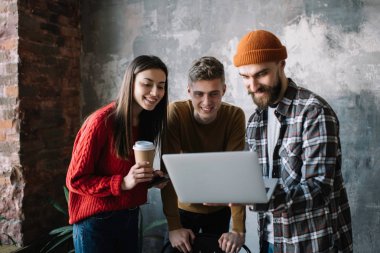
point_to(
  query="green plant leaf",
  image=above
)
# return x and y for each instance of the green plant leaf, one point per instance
(57, 206)
(55, 242)
(62, 230)
(66, 191)
(154, 224)
(62, 234)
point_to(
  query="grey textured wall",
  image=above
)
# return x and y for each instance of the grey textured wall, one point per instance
(333, 47)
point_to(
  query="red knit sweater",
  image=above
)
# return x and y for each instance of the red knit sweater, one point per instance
(95, 174)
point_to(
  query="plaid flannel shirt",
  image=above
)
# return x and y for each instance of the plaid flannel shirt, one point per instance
(310, 206)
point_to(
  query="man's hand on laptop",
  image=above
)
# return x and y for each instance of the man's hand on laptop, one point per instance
(182, 239)
(231, 242)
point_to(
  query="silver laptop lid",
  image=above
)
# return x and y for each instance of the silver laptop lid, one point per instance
(217, 177)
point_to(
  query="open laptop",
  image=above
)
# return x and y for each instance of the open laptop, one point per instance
(219, 177)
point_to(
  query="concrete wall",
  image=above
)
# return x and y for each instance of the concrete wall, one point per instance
(333, 47)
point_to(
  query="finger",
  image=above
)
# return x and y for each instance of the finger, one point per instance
(161, 185)
(144, 176)
(187, 247)
(158, 173)
(182, 248)
(142, 164)
(192, 235)
(220, 241)
(144, 171)
(231, 250)
(228, 247)
(137, 171)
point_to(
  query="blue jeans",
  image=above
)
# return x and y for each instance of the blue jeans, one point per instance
(115, 231)
(267, 247)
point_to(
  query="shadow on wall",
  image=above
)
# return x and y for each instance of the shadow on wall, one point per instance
(359, 117)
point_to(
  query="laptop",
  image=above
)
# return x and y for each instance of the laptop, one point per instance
(219, 177)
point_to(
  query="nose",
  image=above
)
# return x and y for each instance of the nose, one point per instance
(252, 85)
(206, 99)
(154, 90)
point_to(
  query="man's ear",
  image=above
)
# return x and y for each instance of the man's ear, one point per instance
(224, 89)
(188, 89)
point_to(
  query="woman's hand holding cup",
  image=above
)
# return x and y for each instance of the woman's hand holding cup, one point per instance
(139, 173)
(142, 171)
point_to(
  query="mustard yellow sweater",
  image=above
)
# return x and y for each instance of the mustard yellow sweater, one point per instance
(186, 135)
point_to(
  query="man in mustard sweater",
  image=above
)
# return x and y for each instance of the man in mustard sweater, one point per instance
(204, 124)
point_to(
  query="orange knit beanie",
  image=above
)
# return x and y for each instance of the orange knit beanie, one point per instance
(258, 47)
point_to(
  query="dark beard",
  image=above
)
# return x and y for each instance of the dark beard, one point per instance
(273, 95)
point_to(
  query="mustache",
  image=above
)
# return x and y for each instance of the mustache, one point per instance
(260, 89)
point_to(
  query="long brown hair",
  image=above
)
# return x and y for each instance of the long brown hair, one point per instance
(152, 124)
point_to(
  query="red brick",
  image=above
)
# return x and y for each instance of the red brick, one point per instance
(11, 91)
(3, 136)
(9, 44)
(4, 180)
(6, 124)
(40, 107)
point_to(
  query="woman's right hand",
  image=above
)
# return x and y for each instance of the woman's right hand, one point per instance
(138, 173)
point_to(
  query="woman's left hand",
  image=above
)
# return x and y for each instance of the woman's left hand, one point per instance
(159, 173)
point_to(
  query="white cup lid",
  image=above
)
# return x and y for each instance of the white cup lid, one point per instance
(143, 145)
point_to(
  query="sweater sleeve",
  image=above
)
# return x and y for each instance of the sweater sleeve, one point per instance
(88, 146)
(168, 194)
(236, 142)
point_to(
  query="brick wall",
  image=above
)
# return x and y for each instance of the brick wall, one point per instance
(41, 100)
(11, 189)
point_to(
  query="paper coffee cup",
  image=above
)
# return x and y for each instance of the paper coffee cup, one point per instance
(144, 151)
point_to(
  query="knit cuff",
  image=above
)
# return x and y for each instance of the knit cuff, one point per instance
(173, 223)
(238, 219)
(115, 184)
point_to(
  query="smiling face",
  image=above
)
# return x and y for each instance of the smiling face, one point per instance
(149, 89)
(264, 82)
(206, 98)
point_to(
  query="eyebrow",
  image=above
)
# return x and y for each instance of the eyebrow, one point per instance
(255, 74)
(198, 91)
(150, 80)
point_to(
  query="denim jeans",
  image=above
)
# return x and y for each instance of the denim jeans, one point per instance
(115, 231)
(267, 247)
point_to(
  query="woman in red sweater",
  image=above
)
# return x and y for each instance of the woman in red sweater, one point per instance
(106, 185)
